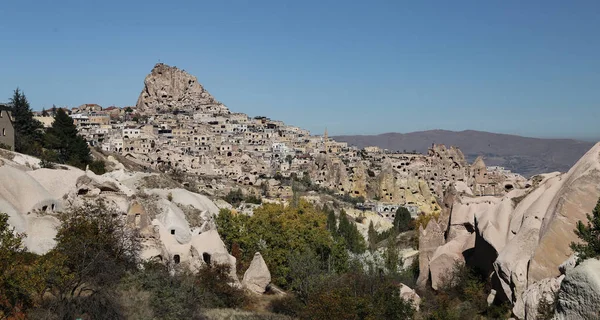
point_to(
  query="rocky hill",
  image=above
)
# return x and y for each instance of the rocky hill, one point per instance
(168, 89)
(527, 156)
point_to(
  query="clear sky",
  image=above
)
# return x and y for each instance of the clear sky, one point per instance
(355, 67)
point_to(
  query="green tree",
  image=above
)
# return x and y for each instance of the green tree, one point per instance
(13, 295)
(234, 197)
(98, 250)
(392, 257)
(63, 138)
(275, 230)
(98, 167)
(590, 236)
(373, 236)
(403, 220)
(28, 131)
(331, 220)
(348, 230)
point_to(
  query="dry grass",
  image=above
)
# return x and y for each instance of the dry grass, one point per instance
(233, 314)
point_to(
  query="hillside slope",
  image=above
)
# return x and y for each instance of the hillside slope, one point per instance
(527, 156)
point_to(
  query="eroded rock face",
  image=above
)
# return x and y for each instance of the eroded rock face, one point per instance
(577, 197)
(580, 292)
(168, 88)
(432, 237)
(257, 277)
(521, 238)
(543, 290)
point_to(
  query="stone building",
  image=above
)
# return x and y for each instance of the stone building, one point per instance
(7, 131)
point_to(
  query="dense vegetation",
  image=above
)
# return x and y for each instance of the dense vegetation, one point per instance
(93, 273)
(309, 252)
(235, 197)
(61, 143)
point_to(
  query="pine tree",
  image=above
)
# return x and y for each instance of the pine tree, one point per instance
(402, 220)
(590, 235)
(64, 139)
(348, 231)
(392, 257)
(28, 131)
(331, 221)
(372, 236)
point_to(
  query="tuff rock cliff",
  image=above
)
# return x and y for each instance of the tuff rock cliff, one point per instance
(519, 239)
(167, 89)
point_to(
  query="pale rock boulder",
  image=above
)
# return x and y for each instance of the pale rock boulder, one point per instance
(568, 264)
(579, 294)
(257, 278)
(411, 295)
(491, 297)
(543, 290)
(446, 257)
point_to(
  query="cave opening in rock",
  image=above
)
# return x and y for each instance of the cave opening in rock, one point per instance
(176, 259)
(206, 257)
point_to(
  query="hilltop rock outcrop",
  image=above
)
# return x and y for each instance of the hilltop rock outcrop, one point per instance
(167, 89)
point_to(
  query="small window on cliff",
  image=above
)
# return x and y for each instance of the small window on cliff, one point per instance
(172, 231)
(176, 259)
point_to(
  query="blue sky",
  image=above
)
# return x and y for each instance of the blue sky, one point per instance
(356, 67)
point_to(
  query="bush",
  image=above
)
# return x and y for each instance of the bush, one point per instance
(234, 197)
(217, 288)
(462, 295)
(253, 199)
(287, 305)
(98, 167)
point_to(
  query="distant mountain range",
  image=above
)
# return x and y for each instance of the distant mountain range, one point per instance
(527, 156)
